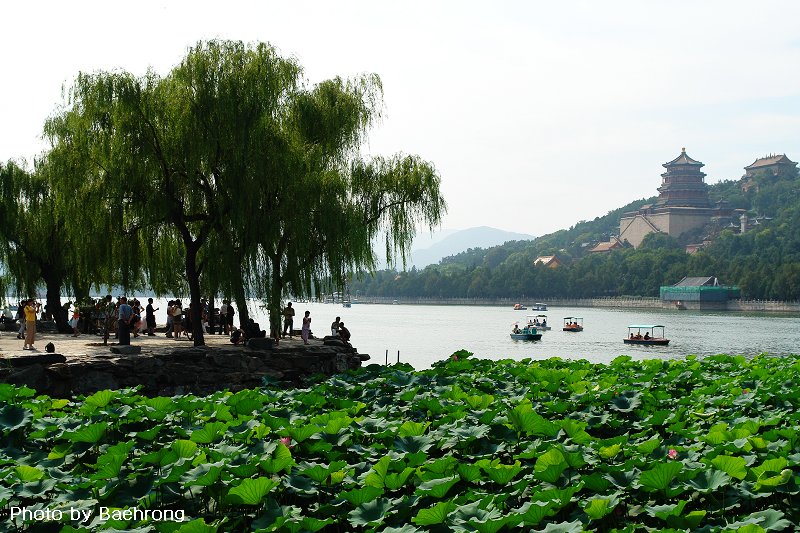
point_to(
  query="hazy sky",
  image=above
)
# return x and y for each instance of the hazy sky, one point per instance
(536, 114)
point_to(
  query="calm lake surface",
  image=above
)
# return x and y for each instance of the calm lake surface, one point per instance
(427, 333)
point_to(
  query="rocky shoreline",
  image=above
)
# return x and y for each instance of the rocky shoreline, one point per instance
(169, 369)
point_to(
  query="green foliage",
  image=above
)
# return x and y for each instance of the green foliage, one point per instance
(764, 262)
(653, 462)
(234, 170)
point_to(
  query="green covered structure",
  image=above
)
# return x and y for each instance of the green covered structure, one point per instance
(699, 293)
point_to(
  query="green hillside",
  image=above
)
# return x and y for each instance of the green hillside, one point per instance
(764, 262)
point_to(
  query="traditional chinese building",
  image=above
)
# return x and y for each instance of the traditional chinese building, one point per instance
(550, 261)
(683, 204)
(772, 165)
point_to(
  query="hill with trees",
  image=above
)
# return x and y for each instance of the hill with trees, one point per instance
(764, 261)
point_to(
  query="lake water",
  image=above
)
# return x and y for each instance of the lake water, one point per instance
(427, 333)
(424, 334)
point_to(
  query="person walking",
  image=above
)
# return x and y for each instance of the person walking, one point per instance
(75, 321)
(288, 319)
(306, 331)
(31, 310)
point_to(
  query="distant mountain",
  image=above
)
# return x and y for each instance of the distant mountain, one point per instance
(461, 240)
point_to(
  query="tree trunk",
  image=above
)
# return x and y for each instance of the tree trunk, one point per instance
(193, 277)
(53, 302)
(275, 303)
(241, 301)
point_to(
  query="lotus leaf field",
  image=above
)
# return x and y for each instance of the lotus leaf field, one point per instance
(468, 445)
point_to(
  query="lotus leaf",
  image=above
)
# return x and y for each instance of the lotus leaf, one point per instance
(91, 434)
(524, 420)
(100, 399)
(660, 476)
(13, 417)
(469, 472)
(281, 460)
(251, 491)
(709, 480)
(434, 515)
(360, 496)
(196, 526)
(499, 473)
(437, 488)
(202, 475)
(412, 429)
(370, 513)
(26, 473)
(550, 465)
(735, 467)
(211, 432)
(597, 508)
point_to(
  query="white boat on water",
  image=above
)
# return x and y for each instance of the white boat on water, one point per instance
(539, 322)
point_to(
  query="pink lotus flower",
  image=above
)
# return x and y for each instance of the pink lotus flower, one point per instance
(286, 441)
(745, 391)
(672, 453)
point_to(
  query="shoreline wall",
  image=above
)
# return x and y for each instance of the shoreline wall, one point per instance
(767, 306)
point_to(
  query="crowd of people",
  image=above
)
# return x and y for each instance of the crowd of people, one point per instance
(126, 318)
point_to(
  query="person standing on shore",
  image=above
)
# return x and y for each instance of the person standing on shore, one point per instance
(31, 310)
(223, 318)
(335, 327)
(150, 317)
(124, 322)
(288, 319)
(306, 331)
(177, 320)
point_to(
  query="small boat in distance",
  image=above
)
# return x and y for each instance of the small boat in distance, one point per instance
(540, 321)
(526, 333)
(346, 303)
(573, 323)
(539, 307)
(651, 336)
(520, 307)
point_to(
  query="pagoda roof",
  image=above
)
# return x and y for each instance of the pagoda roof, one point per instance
(683, 159)
(770, 160)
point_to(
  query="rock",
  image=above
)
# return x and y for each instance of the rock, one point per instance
(36, 359)
(126, 349)
(261, 343)
(333, 341)
(179, 369)
(30, 376)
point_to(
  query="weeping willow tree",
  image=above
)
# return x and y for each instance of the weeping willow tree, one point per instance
(35, 247)
(232, 173)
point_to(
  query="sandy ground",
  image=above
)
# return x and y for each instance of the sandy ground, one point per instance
(90, 345)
